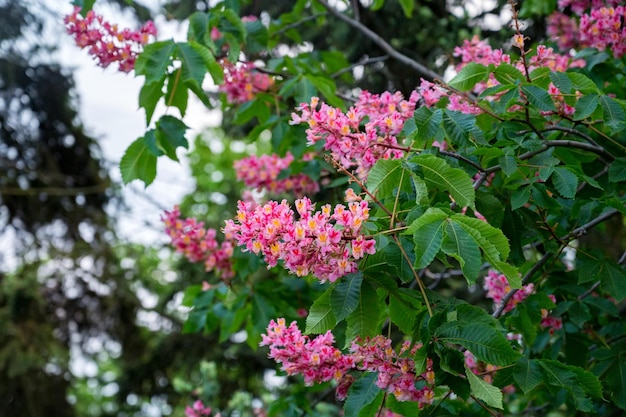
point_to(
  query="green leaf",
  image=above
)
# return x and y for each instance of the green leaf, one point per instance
(527, 374)
(149, 96)
(170, 134)
(327, 87)
(614, 114)
(485, 342)
(562, 82)
(565, 182)
(469, 76)
(388, 175)
(402, 313)
(582, 83)
(154, 61)
(616, 379)
(364, 320)
(586, 106)
(617, 170)
(508, 164)
(538, 97)
(520, 197)
(361, 393)
(459, 127)
(344, 298)
(407, 7)
(508, 74)
(138, 163)
(177, 94)
(461, 246)
(321, 317)
(428, 236)
(437, 172)
(491, 240)
(561, 376)
(427, 122)
(194, 62)
(484, 391)
(613, 281)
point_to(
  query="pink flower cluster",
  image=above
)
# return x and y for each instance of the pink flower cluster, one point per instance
(323, 243)
(396, 370)
(262, 172)
(497, 287)
(351, 143)
(242, 81)
(318, 361)
(198, 410)
(198, 244)
(479, 51)
(601, 27)
(105, 41)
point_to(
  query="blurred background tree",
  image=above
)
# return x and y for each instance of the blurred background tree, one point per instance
(88, 323)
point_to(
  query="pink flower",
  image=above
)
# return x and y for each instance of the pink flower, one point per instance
(198, 244)
(318, 361)
(197, 410)
(105, 41)
(242, 81)
(325, 243)
(361, 136)
(262, 173)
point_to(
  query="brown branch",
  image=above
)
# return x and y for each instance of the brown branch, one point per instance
(384, 45)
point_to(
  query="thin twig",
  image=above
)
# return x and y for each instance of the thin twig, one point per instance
(384, 45)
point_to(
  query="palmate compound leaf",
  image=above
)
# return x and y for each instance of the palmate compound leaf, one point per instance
(154, 61)
(484, 391)
(463, 238)
(527, 374)
(484, 341)
(460, 245)
(364, 321)
(439, 174)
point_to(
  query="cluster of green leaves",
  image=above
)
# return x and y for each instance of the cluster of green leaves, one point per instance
(542, 179)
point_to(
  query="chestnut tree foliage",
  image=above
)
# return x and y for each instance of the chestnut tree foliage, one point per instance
(453, 246)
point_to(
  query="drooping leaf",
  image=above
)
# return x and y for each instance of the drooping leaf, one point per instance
(538, 97)
(149, 96)
(508, 74)
(138, 163)
(321, 317)
(170, 134)
(154, 61)
(585, 106)
(460, 245)
(527, 374)
(438, 173)
(388, 175)
(407, 7)
(364, 320)
(469, 76)
(177, 94)
(362, 392)
(427, 122)
(617, 170)
(562, 82)
(460, 127)
(427, 233)
(614, 114)
(485, 342)
(484, 391)
(565, 181)
(344, 297)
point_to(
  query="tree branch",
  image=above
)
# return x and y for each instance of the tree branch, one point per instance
(384, 45)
